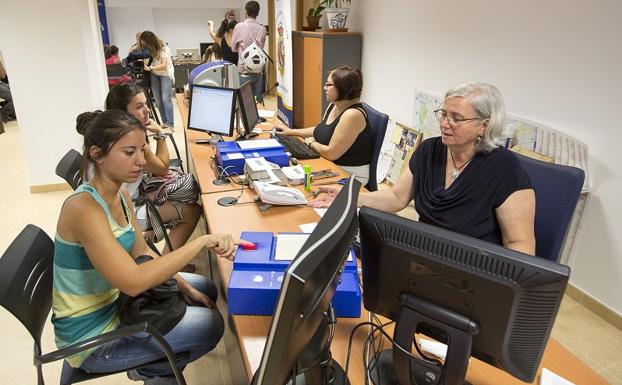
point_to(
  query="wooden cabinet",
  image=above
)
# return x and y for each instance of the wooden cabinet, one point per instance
(315, 54)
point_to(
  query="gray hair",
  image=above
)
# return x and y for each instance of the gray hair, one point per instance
(487, 102)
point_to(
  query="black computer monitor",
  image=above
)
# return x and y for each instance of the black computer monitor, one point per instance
(212, 110)
(299, 334)
(248, 109)
(484, 300)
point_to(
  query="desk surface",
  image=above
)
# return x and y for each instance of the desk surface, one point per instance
(253, 330)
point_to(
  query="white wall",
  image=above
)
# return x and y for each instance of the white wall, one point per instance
(57, 71)
(184, 26)
(558, 62)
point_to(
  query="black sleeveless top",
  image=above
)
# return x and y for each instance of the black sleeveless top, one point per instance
(226, 52)
(359, 154)
(468, 205)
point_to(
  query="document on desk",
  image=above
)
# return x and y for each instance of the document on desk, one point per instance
(257, 144)
(289, 244)
(549, 378)
(266, 114)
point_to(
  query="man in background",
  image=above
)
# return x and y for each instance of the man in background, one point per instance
(244, 34)
(7, 112)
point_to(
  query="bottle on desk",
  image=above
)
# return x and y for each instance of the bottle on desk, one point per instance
(307, 170)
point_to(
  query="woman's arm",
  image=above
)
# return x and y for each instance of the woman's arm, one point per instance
(157, 163)
(351, 124)
(83, 221)
(516, 217)
(390, 200)
(210, 24)
(285, 130)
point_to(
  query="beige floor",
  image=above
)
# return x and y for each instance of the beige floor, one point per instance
(588, 336)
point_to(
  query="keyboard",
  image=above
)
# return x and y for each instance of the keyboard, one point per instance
(296, 147)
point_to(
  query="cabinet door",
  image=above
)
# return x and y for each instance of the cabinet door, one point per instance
(312, 81)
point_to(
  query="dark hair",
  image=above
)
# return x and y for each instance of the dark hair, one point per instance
(114, 50)
(252, 9)
(121, 95)
(103, 129)
(348, 81)
(107, 52)
(212, 49)
(152, 42)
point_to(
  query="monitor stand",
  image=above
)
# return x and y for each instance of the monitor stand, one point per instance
(216, 138)
(396, 367)
(315, 365)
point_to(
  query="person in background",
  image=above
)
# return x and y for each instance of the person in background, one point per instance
(343, 135)
(136, 46)
(211, 53)
(162, 75)
(244, 34)
(223, 38)
(112, 55)
(131, 98)
(7, 112)
(462, 181)
(95, 246)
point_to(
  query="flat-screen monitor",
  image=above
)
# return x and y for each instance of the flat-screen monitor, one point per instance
(500, 302)
(298, 333)
(212, 110)
(248, 108)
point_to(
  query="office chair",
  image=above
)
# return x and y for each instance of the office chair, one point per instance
(69, 168)
(26, 292)
(378, 124)
(557, 190)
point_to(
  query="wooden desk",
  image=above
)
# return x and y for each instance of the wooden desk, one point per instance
(245, 335)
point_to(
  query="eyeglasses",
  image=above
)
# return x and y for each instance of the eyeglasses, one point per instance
(327, 84)
(452, 120)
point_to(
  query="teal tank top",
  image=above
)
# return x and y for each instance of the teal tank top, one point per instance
(83, 302)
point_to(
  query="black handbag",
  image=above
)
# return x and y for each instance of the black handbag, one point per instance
(162, 306)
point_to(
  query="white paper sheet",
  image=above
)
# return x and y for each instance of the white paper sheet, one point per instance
(257, 144)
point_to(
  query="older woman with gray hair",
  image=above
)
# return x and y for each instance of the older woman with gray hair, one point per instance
(461, 180)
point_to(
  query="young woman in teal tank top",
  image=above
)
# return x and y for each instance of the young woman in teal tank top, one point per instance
(96, 243)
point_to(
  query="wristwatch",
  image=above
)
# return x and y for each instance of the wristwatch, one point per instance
(160, 136)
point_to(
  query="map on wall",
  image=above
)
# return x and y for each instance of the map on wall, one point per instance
(424, 120)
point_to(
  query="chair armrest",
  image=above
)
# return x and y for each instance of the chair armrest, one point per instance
(111, 336)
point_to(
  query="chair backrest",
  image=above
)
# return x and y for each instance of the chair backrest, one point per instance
(557, 190)
(115, 70)
(69, 168)
(26, 279)
(378, 123)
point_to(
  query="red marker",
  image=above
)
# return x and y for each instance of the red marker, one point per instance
(246, 245)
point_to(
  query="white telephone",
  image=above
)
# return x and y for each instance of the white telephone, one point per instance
(279, 195)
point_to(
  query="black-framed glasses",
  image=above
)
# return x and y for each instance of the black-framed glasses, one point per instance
(452, 120)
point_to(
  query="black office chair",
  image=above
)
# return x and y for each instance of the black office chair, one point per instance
(69, 168)
(557, 190)
(378, 123)
(26, 292)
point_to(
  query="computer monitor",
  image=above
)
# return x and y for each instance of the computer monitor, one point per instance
(484, 300)
(299, 334)
(212, 110)
(188, 54)
(248, 109)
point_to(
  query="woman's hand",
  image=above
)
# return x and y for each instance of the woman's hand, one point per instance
(153, 127)
(282, 128)
(325, 200)
(222, 244)
(194, 297)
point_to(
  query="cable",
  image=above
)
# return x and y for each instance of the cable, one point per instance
(379, 328)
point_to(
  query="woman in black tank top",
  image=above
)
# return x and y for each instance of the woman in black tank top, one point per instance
(223, 37)
(343, 135)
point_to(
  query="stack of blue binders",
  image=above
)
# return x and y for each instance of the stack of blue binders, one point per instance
(256, 280)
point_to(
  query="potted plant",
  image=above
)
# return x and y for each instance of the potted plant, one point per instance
(337, 14)
(315, 14)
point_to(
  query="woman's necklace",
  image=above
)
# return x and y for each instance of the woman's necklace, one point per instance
(457, 170)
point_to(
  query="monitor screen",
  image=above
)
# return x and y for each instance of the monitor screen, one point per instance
(212, 110)
(248, 107)
(509, 298)
(299, 325)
